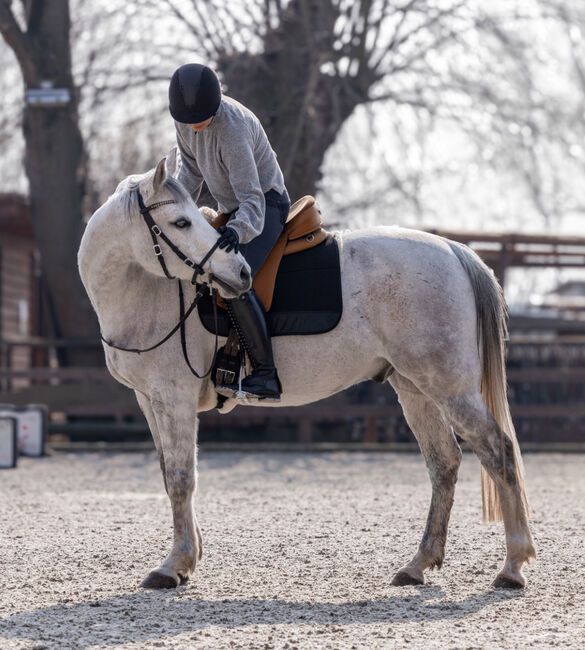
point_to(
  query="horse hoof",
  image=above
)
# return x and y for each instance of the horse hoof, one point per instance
(408, 576)
(504, 581)
(157, 580)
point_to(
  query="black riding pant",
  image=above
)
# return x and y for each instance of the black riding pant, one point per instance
(256, 251)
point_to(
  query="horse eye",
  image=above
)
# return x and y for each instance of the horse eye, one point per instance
(182, 222)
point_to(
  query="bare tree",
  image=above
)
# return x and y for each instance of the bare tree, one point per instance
(38, 34)
(500, 110)
(463, 71)
(303, 66)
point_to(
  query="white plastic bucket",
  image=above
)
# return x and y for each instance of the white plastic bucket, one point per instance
(8, 442)
(31, 427)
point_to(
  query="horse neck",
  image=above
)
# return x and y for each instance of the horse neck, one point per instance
(133, 306)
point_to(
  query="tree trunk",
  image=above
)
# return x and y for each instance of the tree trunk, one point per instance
(301, 107)
(54, 161)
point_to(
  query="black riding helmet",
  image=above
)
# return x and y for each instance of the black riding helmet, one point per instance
(194, 93)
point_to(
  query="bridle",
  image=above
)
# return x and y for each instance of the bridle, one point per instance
(198, 269)
(156, 232)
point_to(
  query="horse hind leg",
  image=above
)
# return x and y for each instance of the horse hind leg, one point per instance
(473, 421)
(443, 457)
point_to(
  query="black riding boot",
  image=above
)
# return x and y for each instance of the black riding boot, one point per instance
(250, 320)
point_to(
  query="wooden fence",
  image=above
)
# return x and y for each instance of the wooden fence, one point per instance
(546, 388)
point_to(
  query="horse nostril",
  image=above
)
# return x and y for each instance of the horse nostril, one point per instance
(245, 275)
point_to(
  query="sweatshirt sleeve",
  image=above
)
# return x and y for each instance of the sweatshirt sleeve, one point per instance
(189, 174)
(238, 156)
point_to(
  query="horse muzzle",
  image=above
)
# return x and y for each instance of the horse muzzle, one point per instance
(228, 289)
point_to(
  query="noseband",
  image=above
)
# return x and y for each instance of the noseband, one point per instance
(198, 270)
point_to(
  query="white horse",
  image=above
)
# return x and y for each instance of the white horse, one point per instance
(421, 312)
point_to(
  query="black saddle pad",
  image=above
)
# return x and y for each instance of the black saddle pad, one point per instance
(307, 294)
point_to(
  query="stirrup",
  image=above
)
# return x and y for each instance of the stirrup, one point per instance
(243, 397)
(238, 391)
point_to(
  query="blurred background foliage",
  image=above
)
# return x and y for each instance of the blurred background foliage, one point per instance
(437, 111)
(444, 113)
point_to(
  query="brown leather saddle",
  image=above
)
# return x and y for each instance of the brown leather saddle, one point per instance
(303, 230)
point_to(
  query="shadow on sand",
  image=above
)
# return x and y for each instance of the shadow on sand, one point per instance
(151, 615)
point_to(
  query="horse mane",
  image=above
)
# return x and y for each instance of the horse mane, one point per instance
(127, 192)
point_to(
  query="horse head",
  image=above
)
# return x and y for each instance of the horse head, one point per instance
(173, 239)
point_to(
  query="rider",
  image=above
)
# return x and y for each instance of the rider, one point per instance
(223, 143)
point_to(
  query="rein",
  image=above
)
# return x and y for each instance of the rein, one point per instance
(156, 232)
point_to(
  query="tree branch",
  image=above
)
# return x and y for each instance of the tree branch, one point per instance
(427, 25)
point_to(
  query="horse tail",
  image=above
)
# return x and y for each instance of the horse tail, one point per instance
(492, 332)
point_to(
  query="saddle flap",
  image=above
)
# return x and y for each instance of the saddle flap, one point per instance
(303, 229)
(266, 276)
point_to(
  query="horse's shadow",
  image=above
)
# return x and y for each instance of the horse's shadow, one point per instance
(148, 616)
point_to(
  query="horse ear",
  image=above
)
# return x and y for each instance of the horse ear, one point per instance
(160, 174)
(172, 162)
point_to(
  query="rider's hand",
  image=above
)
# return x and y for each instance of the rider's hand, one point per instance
(229, 239)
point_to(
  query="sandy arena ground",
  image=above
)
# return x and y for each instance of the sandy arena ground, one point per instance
(299, 553)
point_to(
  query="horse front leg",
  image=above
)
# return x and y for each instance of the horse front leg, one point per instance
(175, 423)
(443, 457)
(148, 413)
